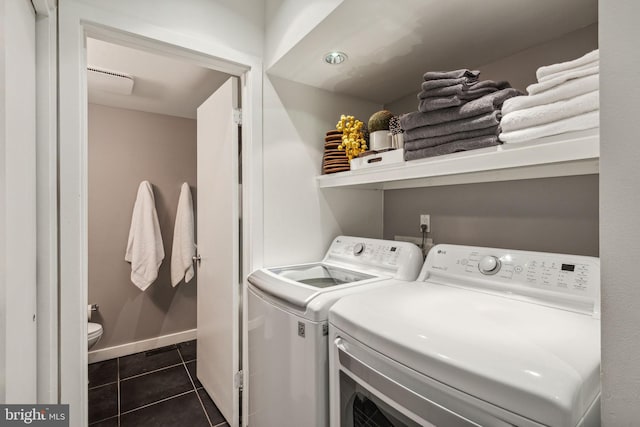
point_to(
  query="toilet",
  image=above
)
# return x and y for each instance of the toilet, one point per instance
(94, 333)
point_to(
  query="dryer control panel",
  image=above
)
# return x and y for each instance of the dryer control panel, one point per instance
(565, 281)
(399, 260)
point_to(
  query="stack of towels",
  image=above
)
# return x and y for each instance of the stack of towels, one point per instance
(565, 99)
(456, 112)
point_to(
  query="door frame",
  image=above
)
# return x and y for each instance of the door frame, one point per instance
(76, 22)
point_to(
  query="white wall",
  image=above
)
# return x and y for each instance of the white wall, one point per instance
(520, 69)
(300, 220)
(620, 211)
(288, 21)
(18, 202)
(234, 24)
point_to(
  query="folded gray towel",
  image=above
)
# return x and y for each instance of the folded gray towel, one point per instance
(480, 121)
(441, 91)
(437, 84)
(418, 144)
(433, 104)
(452, 147)
(484, 87)
(439, 103)
(464, 90)
(484, 104)
(455, 74)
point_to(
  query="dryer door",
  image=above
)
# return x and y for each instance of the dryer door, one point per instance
(369, 389)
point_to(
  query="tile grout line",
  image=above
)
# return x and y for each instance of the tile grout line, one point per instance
(102, 385)
(157, 401)
(104, 419)
(150, 372)
(195, 389)
(118, 366)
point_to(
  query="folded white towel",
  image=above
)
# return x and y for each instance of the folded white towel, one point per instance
(568, 65)
(184, 246)
(144, 247)
(561, 73)
(566, 90)
(583, 121)
(548, 113)
(561, 78)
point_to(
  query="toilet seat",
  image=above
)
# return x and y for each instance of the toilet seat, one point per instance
(94, 330)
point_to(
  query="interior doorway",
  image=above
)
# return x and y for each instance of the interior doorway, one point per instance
(142, 115)
(73, 180)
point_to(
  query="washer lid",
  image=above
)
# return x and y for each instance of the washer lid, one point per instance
(320, 275)
(299, 284)
(539, 362)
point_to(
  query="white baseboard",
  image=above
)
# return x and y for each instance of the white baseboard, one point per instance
(138, 346)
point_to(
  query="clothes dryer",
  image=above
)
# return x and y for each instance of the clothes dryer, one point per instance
(484, 337)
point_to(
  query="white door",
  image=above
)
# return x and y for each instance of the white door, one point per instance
(219, 249)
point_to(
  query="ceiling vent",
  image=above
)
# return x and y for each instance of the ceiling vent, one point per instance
(109, 81)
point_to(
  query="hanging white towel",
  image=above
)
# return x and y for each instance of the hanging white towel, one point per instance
(567, 90)
(548, 113)
(144, 248)
(184, 247)
(588, 58)
(576, 123)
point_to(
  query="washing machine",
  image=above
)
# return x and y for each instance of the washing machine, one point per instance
(288, 328)
(484, 337)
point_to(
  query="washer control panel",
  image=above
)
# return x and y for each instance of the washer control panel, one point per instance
(566, 279)
(386, 257)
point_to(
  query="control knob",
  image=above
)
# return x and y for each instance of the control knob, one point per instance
(489, 265)
(358, 248)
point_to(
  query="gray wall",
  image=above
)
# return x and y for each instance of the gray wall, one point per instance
(549, 215)
(552, 215)
(619, 211)
(520, 69)
(125, 148)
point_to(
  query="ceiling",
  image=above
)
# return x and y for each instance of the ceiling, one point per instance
(391, 44)
(162, 85)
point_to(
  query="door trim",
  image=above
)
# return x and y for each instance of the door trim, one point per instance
(76, 21)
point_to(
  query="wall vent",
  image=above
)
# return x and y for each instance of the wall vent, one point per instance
(109, 81)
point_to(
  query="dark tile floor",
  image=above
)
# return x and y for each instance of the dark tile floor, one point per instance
(156, 388)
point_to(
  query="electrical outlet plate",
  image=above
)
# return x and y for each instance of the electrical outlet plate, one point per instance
(425, 219)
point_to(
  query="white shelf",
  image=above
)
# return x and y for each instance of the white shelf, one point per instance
(564, 155)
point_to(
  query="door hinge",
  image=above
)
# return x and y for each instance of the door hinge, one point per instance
(238, 380)
(237, 116)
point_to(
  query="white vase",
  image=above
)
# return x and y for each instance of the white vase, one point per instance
(379, 140)
(397, 140)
